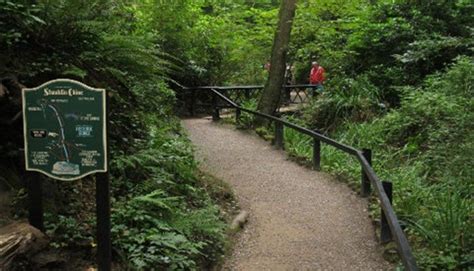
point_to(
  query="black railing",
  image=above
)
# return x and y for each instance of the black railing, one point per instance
(196, 96)
(390, 226)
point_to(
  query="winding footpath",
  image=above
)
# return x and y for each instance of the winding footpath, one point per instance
(299, 219)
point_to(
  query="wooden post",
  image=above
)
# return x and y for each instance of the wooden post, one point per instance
(385, 233)
(247, 94)
(365, 182)
(193, 103)
(238, 112)
(215, 108)
(316, 154)
(35, 208)
(279, 144)
(104, 246)
(102, 194)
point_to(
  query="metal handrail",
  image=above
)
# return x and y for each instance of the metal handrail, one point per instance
(388, 214)
(303, 130)
(246, 87)
(400, 239)
(247, 91)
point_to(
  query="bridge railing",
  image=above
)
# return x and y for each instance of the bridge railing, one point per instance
(390, 226)
(197, 96)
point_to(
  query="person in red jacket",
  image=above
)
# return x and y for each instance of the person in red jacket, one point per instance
(316, 76)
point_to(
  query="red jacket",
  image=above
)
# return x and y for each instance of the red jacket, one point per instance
(316, 76)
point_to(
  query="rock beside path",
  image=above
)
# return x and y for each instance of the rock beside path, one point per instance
(19, 239)
(239, 221)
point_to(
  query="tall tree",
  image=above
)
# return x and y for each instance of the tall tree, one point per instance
(271, 93)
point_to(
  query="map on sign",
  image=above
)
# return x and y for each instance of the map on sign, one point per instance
(64, 125)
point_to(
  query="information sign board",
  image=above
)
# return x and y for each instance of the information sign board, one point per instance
(64, 124)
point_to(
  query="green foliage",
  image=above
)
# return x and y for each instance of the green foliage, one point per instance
(297, 144)
(246, 119)
(378, 58)
(154, 231)
(13, 17)
(162, 217)
(387, 89)
(353, 100)
(423, 147)
(68, 231)
(390, 43)
(217, 42)
(447, 228)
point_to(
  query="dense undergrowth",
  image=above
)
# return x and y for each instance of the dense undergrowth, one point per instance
(399, 81)
(425, 148)
(163, 217)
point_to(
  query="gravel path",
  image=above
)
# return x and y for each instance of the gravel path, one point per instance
(299, 219)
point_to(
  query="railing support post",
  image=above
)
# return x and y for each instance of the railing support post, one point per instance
(287, 96)
(238, 112)
(365, 182)
(215, 108)
(316, 154)
(278, 135)
(385, 233)
(35, 200)
(247, 94)
(193, 102)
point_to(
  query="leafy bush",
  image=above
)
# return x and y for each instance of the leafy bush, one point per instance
(424, 148)
(158, 231)
(68, 231)
(162, 217)
(246, 119)
(446, 227)
(352, 100)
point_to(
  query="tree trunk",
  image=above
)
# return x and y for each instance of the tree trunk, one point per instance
(270, 99)
(19, 239)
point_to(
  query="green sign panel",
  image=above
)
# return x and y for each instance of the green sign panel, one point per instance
(64, 125)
